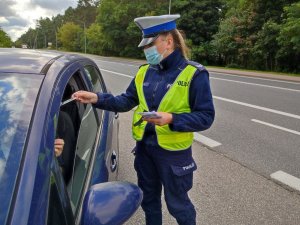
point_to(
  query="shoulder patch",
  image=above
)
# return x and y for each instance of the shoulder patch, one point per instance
(199, 66)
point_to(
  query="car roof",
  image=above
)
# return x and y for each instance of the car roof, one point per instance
(30, 61)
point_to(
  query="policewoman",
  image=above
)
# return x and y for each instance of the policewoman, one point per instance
(179, 91)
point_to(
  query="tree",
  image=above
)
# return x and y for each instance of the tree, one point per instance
(96, 42)
(224, 41)
(57, 22)
(199, 20)
(255, 34)
(45, 32)
(5, 40)
(27, 38)
(116, 19)
(70, 15)
(266, 46)
(86, 11)
(290, 29)
(289, 39)
(70, 35)
(235, 37)
(248, 34)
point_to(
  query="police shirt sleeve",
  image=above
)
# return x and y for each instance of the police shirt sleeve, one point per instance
(120, 103)
(202, 112)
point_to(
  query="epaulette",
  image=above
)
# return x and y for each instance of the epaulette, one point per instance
(199, 66)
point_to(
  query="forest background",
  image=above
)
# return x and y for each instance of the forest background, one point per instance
(248, 34)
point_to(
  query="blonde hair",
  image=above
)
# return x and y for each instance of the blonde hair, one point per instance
(179, 42)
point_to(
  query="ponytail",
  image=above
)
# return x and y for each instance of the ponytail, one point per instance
(179, 42)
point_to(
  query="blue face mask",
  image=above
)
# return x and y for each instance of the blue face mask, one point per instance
(152, 55)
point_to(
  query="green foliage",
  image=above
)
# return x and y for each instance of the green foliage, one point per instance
(199, 19)
(46, 29)
(28, 38)
(266, 46)
(70, 35)
(289, 39)
(95, 39)
(225, 42)
(252, 34)
(120, 33)
(86, 12)
(5, 41)
(290, 29)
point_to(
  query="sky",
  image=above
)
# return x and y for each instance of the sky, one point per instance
(16, 16)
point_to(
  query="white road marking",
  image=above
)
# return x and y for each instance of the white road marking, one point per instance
(256, 78)
(117, 63)
(286, 179)
(228, 100)
(258, 107)
(205, 140)
(276, 126)
(234, 81)
(261, 85)
(121, 74)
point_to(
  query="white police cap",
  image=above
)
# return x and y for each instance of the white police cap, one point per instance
(151, 26)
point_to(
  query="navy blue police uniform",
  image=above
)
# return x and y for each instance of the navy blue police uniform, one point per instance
(155, 166)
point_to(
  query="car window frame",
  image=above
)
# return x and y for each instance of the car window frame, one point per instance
(85, 81)
(61, 82)
(56, 181)
(91, 63)
(101, 81)
(82, 82)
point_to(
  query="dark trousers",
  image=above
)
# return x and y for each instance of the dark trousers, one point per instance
(175, 174)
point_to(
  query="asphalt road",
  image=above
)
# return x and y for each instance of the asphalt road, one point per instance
(255, 134)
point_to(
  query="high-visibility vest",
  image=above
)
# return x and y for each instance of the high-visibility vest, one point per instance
(176, 100)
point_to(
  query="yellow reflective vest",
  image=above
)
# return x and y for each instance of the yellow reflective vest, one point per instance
(176, 100)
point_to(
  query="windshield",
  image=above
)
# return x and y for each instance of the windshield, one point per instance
(17, 97)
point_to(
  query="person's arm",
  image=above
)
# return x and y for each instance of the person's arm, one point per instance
(106, 101)
(202, 112)
(120, 103)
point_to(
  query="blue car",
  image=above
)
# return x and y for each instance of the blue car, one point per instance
(36, 186)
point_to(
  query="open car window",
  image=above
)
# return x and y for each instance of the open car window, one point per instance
(95, 78)
(79, 124)
(85, 146)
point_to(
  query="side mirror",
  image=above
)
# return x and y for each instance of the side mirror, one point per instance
(110, 203)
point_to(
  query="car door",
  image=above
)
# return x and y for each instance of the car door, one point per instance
(87, 133)
(110, 128)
